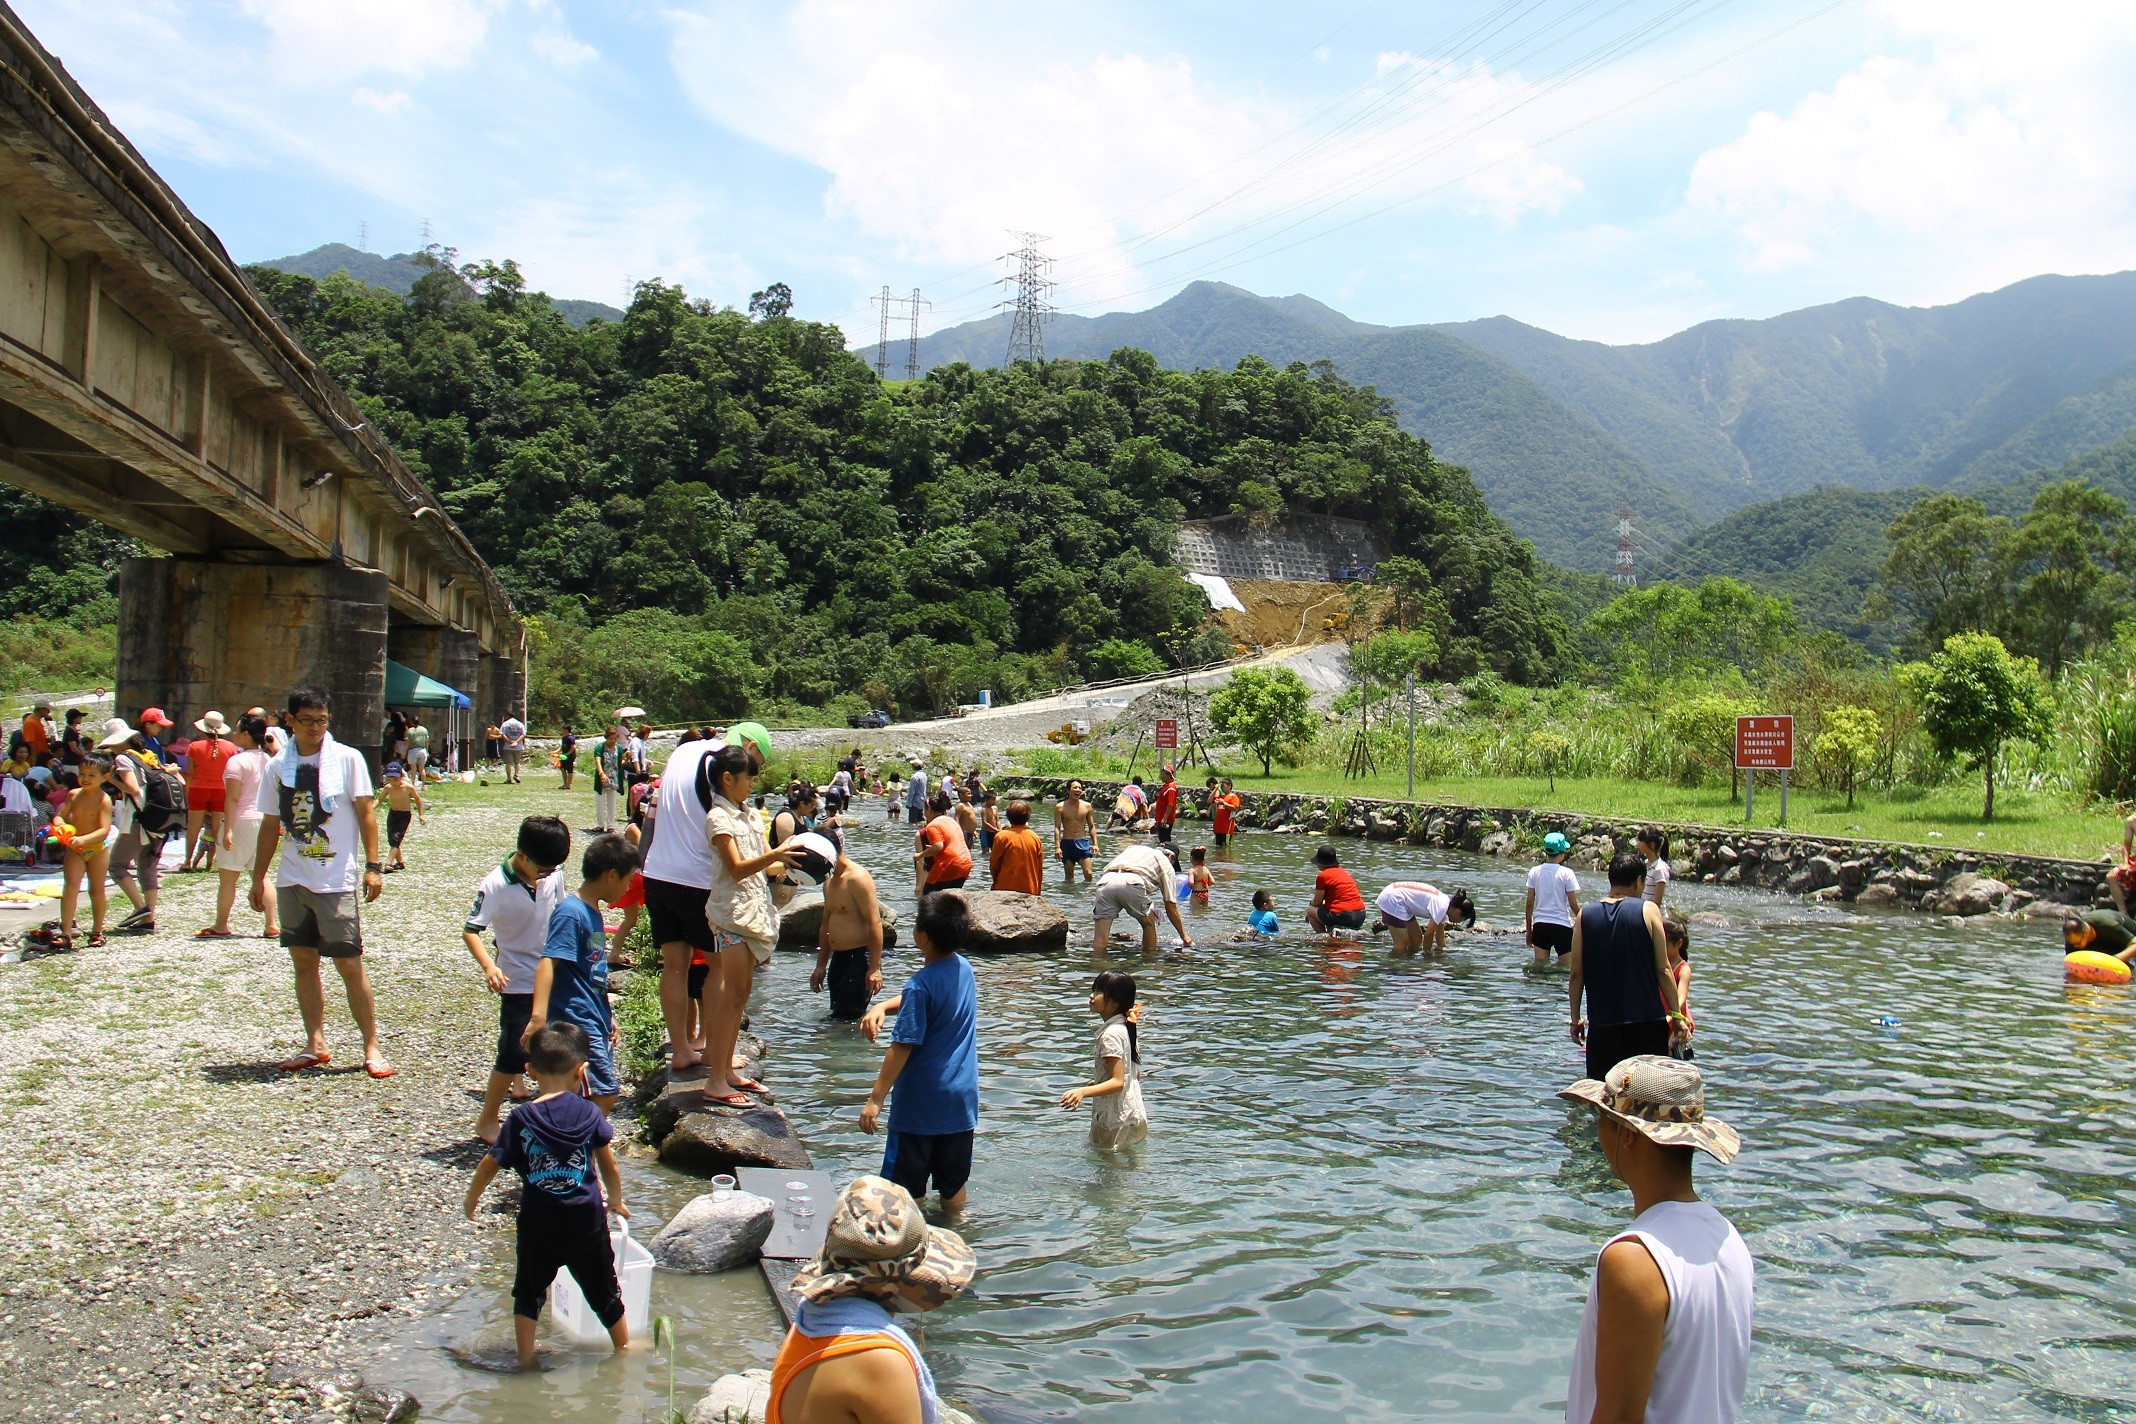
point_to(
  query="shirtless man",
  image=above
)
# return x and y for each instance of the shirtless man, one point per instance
(967, 820)
(849, 942)
(1075, 833)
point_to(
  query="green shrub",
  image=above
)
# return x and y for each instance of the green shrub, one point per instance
(638, 1015)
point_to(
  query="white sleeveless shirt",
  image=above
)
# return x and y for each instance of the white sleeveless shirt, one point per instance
(1705, 1345)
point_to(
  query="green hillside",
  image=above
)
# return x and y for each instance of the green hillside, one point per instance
(1859, 393)
(399, 273)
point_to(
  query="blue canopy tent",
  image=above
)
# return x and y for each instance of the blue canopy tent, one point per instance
(405, 687)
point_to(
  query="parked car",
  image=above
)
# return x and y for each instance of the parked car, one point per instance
(869, 721)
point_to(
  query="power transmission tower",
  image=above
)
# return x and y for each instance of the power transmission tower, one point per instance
(363, 237)
(912, 347)
(1027, 334)
(1624, 568)
(882, 334)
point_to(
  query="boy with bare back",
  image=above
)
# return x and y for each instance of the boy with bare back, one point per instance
(403, 799)
(88, 861)
(1075, 833)
(849, 940)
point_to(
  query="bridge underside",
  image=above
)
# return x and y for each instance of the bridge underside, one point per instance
(144, 384)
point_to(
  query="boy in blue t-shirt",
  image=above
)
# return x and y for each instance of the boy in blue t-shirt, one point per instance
(556, 1144)
(932, 1061)
(1263, 919)
(571, 981)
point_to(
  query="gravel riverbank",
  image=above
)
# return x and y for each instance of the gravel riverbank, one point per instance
(187, 1233)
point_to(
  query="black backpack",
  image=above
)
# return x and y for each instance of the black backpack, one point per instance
(161, 810)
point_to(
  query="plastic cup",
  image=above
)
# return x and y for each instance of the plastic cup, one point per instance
(723, 1183)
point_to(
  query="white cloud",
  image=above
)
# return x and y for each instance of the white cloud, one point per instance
(390, 101)
(943, 124)
(1510, 178)
(563, 49)
(343, 38)
(2002, 144)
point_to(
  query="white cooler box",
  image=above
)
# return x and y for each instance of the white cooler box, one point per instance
(634, 1273)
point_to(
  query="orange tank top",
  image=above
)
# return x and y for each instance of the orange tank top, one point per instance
(799, 1351)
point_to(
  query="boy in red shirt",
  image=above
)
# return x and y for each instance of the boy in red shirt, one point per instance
(1164, 811)
(940, 854)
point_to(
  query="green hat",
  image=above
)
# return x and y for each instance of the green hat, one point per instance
(754, 733)
(1556, 844)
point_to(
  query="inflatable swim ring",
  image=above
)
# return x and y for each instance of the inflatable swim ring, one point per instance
(2088, 966)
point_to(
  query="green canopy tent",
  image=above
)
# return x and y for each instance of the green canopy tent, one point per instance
(405, 687)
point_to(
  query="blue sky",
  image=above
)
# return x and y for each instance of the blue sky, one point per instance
(1613, 169)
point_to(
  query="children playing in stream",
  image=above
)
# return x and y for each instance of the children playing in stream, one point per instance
(556, 1144)
(932, 1063)
(571, 978)
(1117, 1117)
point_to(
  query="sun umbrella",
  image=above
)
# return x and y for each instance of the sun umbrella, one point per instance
(625, 714)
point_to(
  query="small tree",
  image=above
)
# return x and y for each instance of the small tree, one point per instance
(1549, 750)
(1848, 741)
(1974, 697)
(1268, 711)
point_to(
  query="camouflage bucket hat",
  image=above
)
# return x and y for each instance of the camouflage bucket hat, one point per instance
(1662, 1098)
(880, 1247)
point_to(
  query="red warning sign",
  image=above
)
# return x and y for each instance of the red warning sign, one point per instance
(1765, 743)
(1167, 737)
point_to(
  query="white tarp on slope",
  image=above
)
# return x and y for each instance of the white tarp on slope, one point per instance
(1218, 592)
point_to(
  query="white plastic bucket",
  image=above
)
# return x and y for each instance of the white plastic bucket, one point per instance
(634, 1272)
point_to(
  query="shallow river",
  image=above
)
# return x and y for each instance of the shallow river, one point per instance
(1360, 1200)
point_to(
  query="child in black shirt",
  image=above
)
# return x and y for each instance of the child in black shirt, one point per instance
(556, 1143)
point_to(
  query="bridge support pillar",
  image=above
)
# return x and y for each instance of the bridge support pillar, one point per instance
(196, 634)
(503, 691)
(453, 656)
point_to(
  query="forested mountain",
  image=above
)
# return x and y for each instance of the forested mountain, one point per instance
(1859, 393)
(1549, 472)
(1823, 549)
(706, 511)
(399, 273)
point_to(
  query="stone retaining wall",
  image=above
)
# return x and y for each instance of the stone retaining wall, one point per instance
(1948, 881)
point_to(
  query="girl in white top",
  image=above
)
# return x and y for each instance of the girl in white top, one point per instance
(1653, 843)
(745, 923)
(1116, 1117)
(243, 777)
(1416, 914)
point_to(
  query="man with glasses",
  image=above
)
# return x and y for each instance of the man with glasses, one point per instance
(513, 904)
(323, 802)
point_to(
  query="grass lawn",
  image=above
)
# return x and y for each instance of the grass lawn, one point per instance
(2025, 823)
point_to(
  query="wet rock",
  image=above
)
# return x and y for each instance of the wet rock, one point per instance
(1497, 843)
(1819, 872)
(375, 1404)
(803, 916)
(1968, 894)
(1383, 827)
(722, 1139)
(715, 1232)
(674, 1099)
(1854, 874)
(1830, 892)
(735, 1399)
(1733, 875)
(2046, 910)
(1011, 922)
(1913, 884)
(1881, 893)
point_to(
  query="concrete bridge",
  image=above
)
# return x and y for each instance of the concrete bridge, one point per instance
(144, 384)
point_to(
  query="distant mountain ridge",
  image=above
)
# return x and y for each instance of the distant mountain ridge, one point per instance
(1859, 393)
(398, 274)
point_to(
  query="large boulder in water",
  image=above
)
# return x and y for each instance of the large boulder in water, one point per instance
(719, 1139)
(715, 1232)
(803, 917)
(1968, 894)
(1011, 922)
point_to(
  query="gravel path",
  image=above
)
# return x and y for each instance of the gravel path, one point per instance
(187, 1233)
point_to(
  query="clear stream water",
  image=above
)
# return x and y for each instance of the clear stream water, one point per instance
(1360, 1200)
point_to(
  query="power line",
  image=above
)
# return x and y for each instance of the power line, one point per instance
(1027, 334)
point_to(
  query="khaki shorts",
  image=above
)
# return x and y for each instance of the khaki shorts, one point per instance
(1118, 895)
(317, 921)
(244, 845)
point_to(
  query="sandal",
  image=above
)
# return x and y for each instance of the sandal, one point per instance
(212, 933)
(378, 1069)
(95, 941)
(731, 1100)
(305, 1060)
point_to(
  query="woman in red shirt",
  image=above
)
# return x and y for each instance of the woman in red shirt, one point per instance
(941, 855)
(1337, 902)
(205, 757)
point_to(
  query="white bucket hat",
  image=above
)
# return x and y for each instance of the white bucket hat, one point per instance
(116, 734)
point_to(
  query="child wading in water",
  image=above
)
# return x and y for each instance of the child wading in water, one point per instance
(1677, 935)
(556, 1143)
(88, 854)
(403, 799)
(1117, 1117)
(1198, 877)
(1263, 919)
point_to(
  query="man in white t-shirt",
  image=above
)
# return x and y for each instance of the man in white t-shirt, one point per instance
(1666, 1334)
(1553, 902)
(323, 811)
(515, 747)
(678, 882)
(1135, 883)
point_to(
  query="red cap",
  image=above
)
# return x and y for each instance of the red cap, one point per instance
(153, 717)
